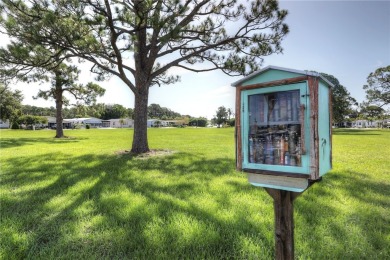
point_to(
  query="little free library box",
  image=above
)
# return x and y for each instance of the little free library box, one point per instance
(283, 128)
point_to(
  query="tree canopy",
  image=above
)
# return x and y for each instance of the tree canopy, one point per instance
(114, 111)
(140, 41)
(378, 86)
(99, 110)
(30, 120)
(29, 58)
(221, 115)
(156, 111)
(10, 103)
(198, 122)
(342, 101)
(371, 111)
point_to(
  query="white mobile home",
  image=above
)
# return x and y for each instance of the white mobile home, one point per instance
(157, 123)
(369, 124)
(118, 123)
(359, 123)
(91, 121)
(4, 124)
(52, 123)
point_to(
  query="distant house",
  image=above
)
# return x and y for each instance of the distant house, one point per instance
(382, 123)
(344, 124)
(386, 123)
(91, 121)
(359, 123)
(157, 123)
(174, 122)
(118, 123)
(368, 124)
(52, 123)
(4, 124)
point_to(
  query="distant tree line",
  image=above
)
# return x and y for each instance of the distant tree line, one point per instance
(198, 122)
(102, 111)
(29, 121)
(345, 108)
(163, 113)
(343, 103)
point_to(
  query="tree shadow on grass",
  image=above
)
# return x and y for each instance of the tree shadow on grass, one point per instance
(117, 207)
(178, 206)
(346, 213)
(16, 142)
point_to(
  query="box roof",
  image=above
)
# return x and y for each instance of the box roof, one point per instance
(302, 72)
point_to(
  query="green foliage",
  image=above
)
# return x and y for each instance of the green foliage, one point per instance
(231, 122)
(30, 120)
(378, 86)
(38, 111)
(114, 111)
(60, 199)
(371, 111)
(100, 110)
(64, 79)
(87, 126)
(221, 115)
(230, 113)
(29, 57)
(15, 125)
(198, 122)
(10, 103)
(155, 111)
(342, 101)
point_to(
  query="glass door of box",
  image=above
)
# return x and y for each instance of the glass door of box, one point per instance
(273, 128)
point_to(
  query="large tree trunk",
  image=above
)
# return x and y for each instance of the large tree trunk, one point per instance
(143, 67)
(140, 136)
(58, 98)
(59, 119)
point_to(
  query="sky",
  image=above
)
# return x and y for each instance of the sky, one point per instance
(347, 39)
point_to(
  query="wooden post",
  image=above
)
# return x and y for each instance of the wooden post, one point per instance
(284, 223)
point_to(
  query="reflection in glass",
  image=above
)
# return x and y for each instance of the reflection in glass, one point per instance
(275, 129)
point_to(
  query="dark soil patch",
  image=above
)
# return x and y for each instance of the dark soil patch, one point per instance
(152, 153)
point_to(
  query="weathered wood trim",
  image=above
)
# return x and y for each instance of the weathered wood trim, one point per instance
(275, 83)
(314, 150)
(302, 121)
(276, 173)
(238, 130)
(284, 222)
(330, 126)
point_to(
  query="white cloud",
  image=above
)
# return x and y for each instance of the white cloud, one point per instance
(220, 92)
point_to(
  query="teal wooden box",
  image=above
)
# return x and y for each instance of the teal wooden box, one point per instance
(283, 128)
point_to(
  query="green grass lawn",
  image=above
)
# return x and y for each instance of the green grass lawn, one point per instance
(78, 198)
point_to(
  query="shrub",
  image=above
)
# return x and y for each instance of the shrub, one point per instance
(232, 122)
(87, 126)
(15, 125)
(200, 122)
